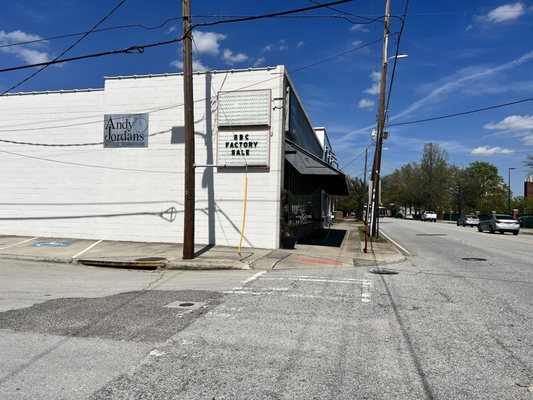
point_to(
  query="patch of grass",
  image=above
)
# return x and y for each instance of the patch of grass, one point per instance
(361, 230)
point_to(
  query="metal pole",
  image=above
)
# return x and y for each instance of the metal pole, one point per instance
(381, 124)
(188, 216)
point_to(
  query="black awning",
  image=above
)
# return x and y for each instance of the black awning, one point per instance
(328, 178)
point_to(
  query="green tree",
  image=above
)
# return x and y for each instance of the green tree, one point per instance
(487, 189)
(434, 176)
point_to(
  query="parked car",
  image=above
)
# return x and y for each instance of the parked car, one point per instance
(409, 216)
(398, 215)
(429, 216)
(499, 222)
(468, 220)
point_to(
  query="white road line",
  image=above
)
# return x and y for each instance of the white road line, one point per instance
(87, 249)
(16, 244)
(245, 282)
(322, 280)
(253, 277)
(406, 252)
(366, 289)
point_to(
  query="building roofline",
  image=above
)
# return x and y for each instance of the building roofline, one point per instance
(53, 92)
(120, 77)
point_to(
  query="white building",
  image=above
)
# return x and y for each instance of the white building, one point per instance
(109, 163)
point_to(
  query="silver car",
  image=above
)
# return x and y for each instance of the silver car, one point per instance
(499, 222)
(468, 220)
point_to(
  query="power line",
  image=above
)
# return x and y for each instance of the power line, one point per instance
(296, 70)
(138, 49)
(112, 28)
(357, 156)
(141, 48)
(149, 28)
(462, 113)
(396, 54)
(67, 49)
(271, 15)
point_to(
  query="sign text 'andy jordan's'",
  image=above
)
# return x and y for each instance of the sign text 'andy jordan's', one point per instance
(126, 130)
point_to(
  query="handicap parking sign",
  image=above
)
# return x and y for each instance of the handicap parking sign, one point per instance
(51, 244)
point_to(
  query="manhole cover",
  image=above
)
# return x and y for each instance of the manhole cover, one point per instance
(186, 305)
(151, 259)
(383, 271)
(431, 234)
(474, 259)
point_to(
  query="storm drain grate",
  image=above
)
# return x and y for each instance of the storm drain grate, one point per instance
(474, 259)
(383, 271)
(431, 234)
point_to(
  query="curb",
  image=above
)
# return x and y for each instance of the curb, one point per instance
(205, 265)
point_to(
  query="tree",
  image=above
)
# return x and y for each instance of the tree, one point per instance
(529, 161)
(488, 191)
(434, 175)
(458, 188)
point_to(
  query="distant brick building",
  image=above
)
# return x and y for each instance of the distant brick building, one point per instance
(528, 187)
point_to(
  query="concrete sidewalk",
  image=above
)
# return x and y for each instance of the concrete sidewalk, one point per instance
(338, 246)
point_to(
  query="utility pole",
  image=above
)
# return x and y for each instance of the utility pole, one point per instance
(376, 168)
(188, 215)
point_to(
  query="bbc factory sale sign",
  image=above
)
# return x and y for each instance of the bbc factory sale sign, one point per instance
(126, 130)
(243, 149)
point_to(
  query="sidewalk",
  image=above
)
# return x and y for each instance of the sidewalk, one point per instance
(338, 246)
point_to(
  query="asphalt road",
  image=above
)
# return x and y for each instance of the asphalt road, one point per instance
(451, 322)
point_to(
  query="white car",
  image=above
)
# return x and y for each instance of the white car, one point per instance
(429, 216)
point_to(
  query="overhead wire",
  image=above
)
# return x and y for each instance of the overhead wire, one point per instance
(67, 49)
(399, 37)
(296, 70)
(111, 28)
(462, 113)
(270, 15)
(140, 48)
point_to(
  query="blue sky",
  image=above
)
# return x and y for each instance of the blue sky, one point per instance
(462, 55)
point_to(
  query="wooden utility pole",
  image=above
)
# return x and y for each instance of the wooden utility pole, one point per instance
(376, 168)
(188, 216)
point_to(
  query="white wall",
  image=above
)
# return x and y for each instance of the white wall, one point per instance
(117, 193)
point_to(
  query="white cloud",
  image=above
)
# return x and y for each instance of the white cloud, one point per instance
(259, 62)
(507, 12)
(455, 83)
(356, 43)
(267, 48)
(172, 29)
(515, 123)
(196, 65)
(230, 58)
(359, 28)
(207, 42)
(366, 104)
(283, 45)
(26, 52)
(528, 140)
(300, 44)
(376, 77)
(487, 151)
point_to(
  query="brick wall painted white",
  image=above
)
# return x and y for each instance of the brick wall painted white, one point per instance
(122, 194)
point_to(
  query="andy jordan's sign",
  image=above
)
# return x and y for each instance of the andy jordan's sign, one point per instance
(126, 130)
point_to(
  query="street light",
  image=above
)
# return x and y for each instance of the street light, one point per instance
(509, 190)
(399, 56)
